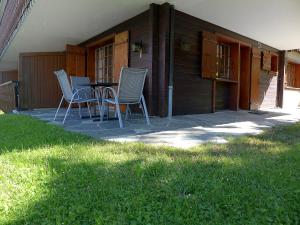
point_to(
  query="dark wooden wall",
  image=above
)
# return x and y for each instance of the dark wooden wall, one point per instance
(38, 85)
(193, 94)
(141, 28)
(222, 95)
(6, 76)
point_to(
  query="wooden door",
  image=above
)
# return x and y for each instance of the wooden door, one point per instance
(209, 55)
(75, 60)
(255, 73)
(121, 46)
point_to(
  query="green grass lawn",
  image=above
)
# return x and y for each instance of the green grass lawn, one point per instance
(49, 176)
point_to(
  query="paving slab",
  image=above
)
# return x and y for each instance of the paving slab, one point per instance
(180, 131)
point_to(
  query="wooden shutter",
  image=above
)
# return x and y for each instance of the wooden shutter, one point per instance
(121, 46)
(120, 53)
(255, 74)
(209, 55)
(75, 60)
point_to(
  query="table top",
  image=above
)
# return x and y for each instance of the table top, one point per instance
(100, 84)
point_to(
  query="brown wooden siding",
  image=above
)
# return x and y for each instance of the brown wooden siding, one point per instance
(38, 84)
(192, 94)
(222, 95)
(139, 28)
(245, 78)
(6, 76)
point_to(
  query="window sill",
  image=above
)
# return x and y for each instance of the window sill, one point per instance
(292, 88)
(226, 80)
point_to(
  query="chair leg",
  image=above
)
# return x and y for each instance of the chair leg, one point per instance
(119, 115)
(127, 112)
(89, 108)
(116, 113)
(99, 107)
(102, 111)
(97, 93)
(142, 108)
(145, 110)
(61, 101)
(69, 107)
(79, 110)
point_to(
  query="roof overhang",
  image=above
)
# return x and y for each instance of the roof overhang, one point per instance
(52, 24)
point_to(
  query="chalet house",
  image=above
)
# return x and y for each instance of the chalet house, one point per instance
(194, 66)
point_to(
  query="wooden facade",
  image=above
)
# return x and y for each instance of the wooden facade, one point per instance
(38, 85)
(198, 88)
(202, 83)
(141, 29)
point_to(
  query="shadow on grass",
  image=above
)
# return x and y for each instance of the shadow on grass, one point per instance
(243, 182)
(250, 180)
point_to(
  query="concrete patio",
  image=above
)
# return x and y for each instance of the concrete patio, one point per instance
(181, 131)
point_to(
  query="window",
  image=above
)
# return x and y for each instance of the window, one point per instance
(104, 63)
(224, 61)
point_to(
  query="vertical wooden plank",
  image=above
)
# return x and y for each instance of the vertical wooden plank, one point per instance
(121, 46)
(234, 92)
(75, 60)
(213, 96)
(209, 55)
(255, 73)
(297, 76)
(245, 78)
(152, 79)
(280, 80)
(164, 57)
